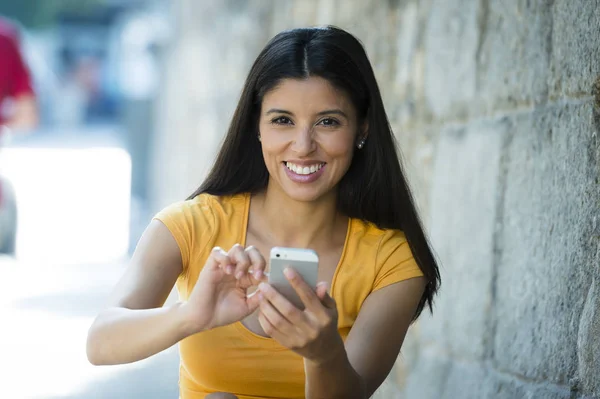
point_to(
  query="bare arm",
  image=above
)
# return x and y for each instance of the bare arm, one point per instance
(358, 368)
(136, 326)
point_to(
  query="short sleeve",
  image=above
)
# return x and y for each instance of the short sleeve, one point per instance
(19, 74)
(191, 224)
(395, 261)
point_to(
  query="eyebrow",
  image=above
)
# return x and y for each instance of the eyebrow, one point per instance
(326, 112)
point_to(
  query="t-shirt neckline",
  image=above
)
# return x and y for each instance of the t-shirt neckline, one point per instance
(267, 342)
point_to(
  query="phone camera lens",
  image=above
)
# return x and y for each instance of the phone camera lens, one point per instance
(277, 255)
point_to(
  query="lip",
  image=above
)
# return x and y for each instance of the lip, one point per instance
(295, 177)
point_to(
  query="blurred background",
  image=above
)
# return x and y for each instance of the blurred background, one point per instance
(496, 108)
(75, 189)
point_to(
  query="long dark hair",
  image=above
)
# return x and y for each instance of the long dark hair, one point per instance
(374, 188)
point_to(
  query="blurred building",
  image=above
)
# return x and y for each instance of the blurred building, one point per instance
(110, 64)
(96, 68)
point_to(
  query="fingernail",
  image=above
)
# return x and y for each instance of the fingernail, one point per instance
(260, 296)
(229, 269)
(258, 274)
(239, 275)
(289, 273)
(263, 286)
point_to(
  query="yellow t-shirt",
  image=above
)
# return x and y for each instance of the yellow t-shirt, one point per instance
(232, 358)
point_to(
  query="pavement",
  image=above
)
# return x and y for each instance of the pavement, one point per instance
(49, 298)
(46, 310)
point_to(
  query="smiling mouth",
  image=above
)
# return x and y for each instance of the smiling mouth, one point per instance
(304, 169)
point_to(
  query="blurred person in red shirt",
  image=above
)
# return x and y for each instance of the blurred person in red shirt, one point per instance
(19, 113)
(18, 107)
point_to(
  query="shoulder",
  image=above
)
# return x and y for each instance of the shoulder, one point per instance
(204, 208)
(197, 222)
(387, 249)
(226, 206)
(204, 203)
(377, 238)
(374, 258)
(192, 208)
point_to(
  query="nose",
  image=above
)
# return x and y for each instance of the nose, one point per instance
(304, 142)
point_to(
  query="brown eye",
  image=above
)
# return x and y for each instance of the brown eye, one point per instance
(281, 120)
(329, 122)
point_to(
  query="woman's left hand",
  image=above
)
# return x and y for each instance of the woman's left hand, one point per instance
(312, 333)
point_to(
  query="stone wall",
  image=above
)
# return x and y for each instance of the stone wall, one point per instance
(493, 109)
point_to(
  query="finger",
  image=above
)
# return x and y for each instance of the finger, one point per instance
(241, 260)
(266, 325)
(276, 319)
(279, 302)
(305, 292)
(253, 301)
(258, 263)
(321, 290)
(324, 296)
(218, 259)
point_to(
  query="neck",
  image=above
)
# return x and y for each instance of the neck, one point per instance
(297, 224)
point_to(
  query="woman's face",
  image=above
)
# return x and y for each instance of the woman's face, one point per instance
(308, 132)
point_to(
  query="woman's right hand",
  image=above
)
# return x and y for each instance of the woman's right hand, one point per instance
(220, 295)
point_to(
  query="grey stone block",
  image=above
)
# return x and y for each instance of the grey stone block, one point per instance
(207, 64)
(401, 92)
(547, 253)
(575, 46)
(451, 41)
(409, 355)
(503, 386)
(408, 35)
(514, 52)
(417, 151)
(463, 216)
(387, 390)
(465, 381)
(406, 91)
(588, 342)
(377, 29)
(476, 380)
(428, 378)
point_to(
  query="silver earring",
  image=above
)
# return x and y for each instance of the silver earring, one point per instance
(259, 137)
(361, 144)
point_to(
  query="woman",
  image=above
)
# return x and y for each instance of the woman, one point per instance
(309, 161)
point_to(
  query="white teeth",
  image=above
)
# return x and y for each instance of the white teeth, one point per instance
(306, 170)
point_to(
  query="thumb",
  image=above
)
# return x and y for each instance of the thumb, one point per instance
(324, 296)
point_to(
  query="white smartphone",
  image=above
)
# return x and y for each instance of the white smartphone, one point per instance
(304, 261)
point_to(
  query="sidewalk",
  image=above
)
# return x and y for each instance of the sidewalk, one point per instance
(47, 311)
